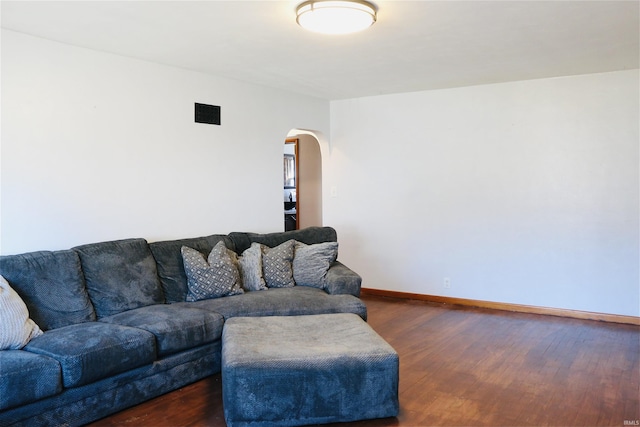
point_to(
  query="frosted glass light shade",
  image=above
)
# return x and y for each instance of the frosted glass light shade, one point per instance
(336, 16)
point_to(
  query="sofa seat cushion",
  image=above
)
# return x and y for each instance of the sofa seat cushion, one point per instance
(26, 377)
(120, 275)
(175, 328)
(91, 351)
(296, 301)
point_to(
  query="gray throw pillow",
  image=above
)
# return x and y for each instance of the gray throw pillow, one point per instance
(251, 268)
(311, 263)
(214, 277)
(277, 265)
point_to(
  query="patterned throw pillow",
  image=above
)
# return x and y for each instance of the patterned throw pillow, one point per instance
(251, 268)
(276, 265)
(214, 277)
(16, 328)
(311, 263)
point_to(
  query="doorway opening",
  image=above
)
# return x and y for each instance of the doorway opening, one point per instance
(302, 168)
(290, 169)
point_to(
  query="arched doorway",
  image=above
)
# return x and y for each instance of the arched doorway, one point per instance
(303, 196)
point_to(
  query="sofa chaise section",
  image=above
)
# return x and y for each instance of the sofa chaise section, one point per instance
(296, 301)
(339, 279)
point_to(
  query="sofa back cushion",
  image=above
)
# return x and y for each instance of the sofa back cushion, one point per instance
(120, 275)
(309, 236)
(16, 328)
(52, 286)
(171, 266)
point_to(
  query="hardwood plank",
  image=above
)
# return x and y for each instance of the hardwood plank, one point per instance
(469, 366)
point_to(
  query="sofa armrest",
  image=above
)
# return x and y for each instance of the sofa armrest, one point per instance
(342, 280)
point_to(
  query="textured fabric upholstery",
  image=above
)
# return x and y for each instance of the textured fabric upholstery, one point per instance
(250, 267)
(277, 265)
(310, 235)
(213, 276)
(88, 352)
(284, 371)
(120, 275)
(78, 406)
(340, 279)
(311, 263)
(52, 286)
(175, 328)
(26, 377)
(130, 346)
(16, 328)
(296, 301)
(170, 266)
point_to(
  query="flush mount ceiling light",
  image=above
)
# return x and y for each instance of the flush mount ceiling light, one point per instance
(336, 16)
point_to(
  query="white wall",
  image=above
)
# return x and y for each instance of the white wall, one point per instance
(522, 192)
(99, 147)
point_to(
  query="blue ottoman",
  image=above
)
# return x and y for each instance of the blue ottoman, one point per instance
(296, 370)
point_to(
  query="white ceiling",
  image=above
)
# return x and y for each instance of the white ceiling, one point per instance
(415, 45)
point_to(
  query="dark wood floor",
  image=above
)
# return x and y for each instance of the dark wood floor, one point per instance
(461, 366)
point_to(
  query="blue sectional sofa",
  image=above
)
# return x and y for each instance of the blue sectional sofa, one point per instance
(118, 330)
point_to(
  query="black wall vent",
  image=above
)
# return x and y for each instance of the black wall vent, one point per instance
(208, 114)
